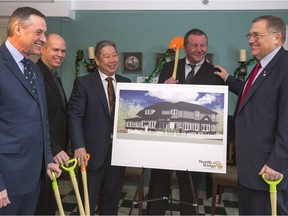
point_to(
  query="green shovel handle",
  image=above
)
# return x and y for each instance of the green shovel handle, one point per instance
(273, 183)
(70, 169)
(54, 181)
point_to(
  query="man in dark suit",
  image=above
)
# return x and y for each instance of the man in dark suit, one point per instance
(52, 56)
(24, 130)
(261, 137)
(195, 43)
(91, 128)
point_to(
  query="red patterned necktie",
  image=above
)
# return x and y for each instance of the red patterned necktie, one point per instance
(111, 96)
(249, 83)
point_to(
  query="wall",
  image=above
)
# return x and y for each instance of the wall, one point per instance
(150, 32)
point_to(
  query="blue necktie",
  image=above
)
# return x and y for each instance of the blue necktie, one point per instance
(29, 76)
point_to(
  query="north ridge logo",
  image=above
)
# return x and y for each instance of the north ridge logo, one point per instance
(211, 165)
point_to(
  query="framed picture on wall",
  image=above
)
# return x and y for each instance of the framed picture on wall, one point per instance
(210, 57)
(159, 56)
(132, 62)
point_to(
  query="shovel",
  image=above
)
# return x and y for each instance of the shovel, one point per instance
(74, 183)
(85, 187)
(177, 43)
(57, 195)
(273, 193)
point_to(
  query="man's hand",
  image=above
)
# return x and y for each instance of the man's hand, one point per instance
(221, 72)
(81, 156)
(55, 168)
(171, 80)
(61, 158)
(270, 174)
(4, 200)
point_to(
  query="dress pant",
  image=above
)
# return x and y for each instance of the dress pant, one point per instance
(46, 204)
(23, 204)
(256, 202)
(104, 187)
(160, 186)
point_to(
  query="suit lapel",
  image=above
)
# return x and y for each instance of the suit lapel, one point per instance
(48, 76)
(13, 67)
(180, 71)
(99, 89)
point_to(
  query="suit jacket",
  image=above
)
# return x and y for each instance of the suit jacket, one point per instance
(24, 129)
(204, 76)
(57, 115)
(90, 122)
(261, 124)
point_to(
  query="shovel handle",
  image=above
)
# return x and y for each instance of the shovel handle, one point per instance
(176, 63)
(83, 168)
(273, 183)
(57, 195)
(70, 169)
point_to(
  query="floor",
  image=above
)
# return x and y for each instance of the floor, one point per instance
(228, 205)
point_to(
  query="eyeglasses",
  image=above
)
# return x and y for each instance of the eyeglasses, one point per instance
(257, 35)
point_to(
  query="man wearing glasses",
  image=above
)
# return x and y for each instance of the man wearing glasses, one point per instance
(261, 119)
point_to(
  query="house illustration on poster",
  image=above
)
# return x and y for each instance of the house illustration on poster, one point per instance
(179, 117)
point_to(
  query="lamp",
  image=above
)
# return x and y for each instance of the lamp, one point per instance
(242, 69)
(91, 65)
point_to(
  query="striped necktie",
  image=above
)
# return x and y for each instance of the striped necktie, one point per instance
(190, 75)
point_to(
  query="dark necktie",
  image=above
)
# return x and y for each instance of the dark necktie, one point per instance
(111, 96)
(190, 75)
(29, 76)
(249, 83)
(59, 85)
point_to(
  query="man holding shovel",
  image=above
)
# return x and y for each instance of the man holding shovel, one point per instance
(261, 119)
(25, 153)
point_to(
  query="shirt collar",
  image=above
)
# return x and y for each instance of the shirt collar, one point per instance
(197, 65)
(269, 57)
(17, 56)
(104, 76)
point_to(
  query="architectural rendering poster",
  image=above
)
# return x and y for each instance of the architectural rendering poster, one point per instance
(166, 126)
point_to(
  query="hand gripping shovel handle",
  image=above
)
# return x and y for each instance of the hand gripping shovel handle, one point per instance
(85, 187)
(70, 169)
(57, 195)
(273, 193)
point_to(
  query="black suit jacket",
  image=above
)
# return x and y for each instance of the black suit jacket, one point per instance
(204, 76)
(57, 115)
(261, 135)
(90, 122)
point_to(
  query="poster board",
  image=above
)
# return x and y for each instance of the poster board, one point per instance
(176, 127)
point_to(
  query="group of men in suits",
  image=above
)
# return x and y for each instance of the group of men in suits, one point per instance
(34, 120)
(31, 125)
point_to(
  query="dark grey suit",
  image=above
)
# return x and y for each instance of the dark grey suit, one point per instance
(24, 132)
(90, 126)
(261, 135)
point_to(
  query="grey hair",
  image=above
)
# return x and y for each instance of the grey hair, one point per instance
(274, 23)
(101, 44)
